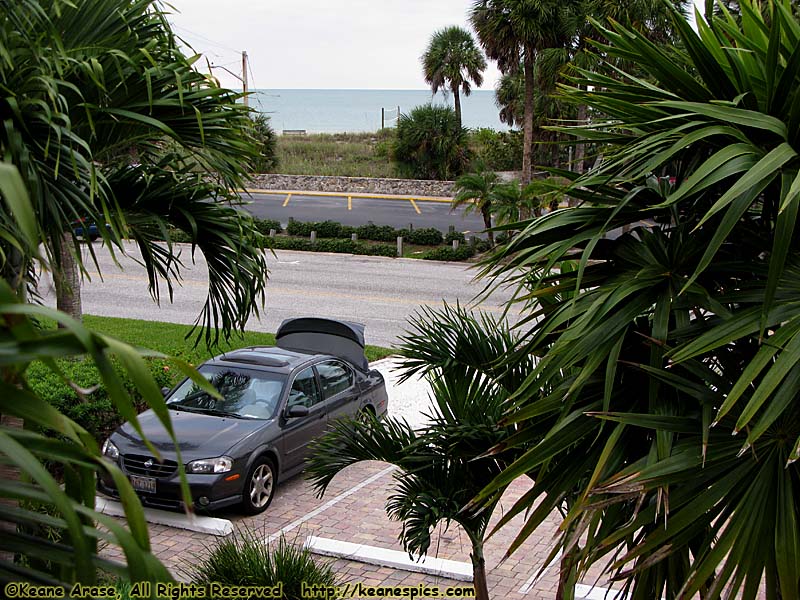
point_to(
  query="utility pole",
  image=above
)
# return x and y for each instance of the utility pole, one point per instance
(244, 76)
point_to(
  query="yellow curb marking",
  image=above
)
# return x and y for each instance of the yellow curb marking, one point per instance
(288, 197)
(445, 200)
(414, 204)
(349, 203)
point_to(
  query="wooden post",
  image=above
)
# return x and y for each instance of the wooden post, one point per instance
(313, 237)
(383, 117)
(354, 236)
(244, 76)
(272, 233)
(399, 246)
(455, 244)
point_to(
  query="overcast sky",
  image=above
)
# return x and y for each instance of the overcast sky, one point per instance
(319, 44)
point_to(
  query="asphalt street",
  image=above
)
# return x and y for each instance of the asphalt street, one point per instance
(398, 213)
(379, 292)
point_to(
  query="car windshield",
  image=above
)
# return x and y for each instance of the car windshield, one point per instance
(246, 394)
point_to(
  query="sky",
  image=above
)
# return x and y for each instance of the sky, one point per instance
(319, 44)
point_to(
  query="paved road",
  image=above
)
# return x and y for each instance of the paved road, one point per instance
(380, 292)
(359, 211)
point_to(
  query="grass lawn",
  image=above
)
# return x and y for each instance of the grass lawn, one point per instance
(340, 154)
(170, 338)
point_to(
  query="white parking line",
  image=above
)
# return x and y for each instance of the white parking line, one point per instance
(329, 503)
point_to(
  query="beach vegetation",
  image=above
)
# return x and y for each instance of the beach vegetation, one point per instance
(452, 63)
(431, 144)
(266, 142)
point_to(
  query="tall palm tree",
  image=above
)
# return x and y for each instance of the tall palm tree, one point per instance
(441, 466)
(665, 392)
(514, 33)
(475, 191)
(453, 62)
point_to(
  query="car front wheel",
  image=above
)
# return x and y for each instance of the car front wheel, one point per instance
(259, 486)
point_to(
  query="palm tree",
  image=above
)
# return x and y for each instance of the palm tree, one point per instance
(664, 395)
(441, 466)
(86, 85)
(127, 100)
(514, 33)
(452, 63)
(475, 190)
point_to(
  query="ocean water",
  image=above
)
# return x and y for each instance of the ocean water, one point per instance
(337, 111)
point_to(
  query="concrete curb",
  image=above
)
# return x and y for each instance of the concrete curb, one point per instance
(210, 525)
(393, 559)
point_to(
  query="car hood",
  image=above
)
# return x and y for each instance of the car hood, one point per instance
(198, 435)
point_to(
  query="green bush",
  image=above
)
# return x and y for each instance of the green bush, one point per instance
(497, 150)
(264, 225)
(454, 235)
(266, 141)
(92, 408)
(332, 245)
(245, 559)
(431, 144)
(425, 236)
(377, 233)
(447, 253)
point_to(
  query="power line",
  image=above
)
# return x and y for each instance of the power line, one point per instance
(205, 39)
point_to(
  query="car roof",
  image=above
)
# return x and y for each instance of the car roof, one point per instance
(268, 357)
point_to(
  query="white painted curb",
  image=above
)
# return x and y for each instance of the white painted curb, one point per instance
(394, 559)
(210, 525)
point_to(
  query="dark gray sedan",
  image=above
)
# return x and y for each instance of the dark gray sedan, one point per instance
(276, 400)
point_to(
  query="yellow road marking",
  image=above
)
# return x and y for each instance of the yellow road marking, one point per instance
(414, 204)
(349, 203)
(442, 199)
(288, 197)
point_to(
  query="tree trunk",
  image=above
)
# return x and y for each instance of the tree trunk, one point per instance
(479, 571)
(67, 281)
(580, 147)
(567, 577)
(487, 221)
(527, 120)
(457, 103)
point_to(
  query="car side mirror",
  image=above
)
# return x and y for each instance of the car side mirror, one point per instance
(298, 410)
(165, 391)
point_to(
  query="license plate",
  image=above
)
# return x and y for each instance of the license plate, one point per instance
(143, 484)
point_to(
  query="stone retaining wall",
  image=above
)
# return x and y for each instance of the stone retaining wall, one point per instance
(363, 185)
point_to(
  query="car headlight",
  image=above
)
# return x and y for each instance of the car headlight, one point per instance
(110, 450)
(221, 464)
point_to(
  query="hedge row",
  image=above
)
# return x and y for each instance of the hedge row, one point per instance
(447, 253)
(425, 236)
(332, 245)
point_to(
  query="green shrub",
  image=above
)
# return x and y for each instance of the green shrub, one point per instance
(266, 141)
(425, 236)
(92, 409)
(332, 245)
(431, 144)
(454, 235)
(378, 233)
(264, 225)
(245, 559)
(497, 150)
(299, 228)
(447, 253)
